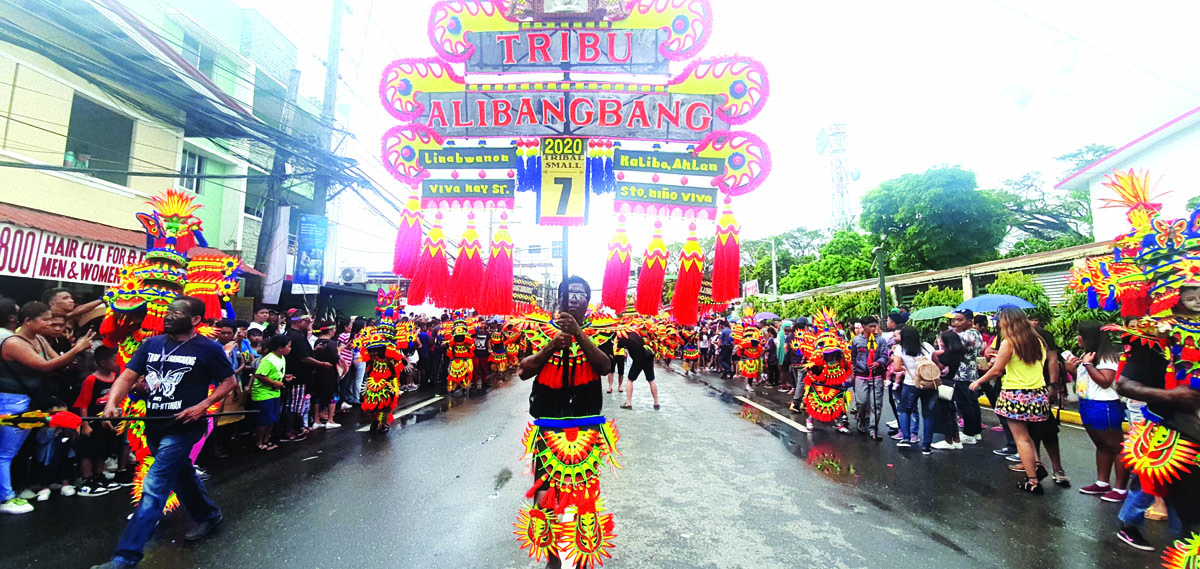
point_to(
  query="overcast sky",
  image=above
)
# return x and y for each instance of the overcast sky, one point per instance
(997, 87)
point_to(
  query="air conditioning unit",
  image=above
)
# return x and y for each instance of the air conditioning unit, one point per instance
(354, 275)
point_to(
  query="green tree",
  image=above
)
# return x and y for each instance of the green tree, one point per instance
(1030, 245)
(1041, 213)
(934, 296)
(1083, 156)
(1071, 312)
(829, 270)
(1193, 202)
(847, 244)
(934, 220)
(1022, 286)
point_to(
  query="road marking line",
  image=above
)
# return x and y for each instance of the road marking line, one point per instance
(408, 410)
(781, 418)
(309, 458)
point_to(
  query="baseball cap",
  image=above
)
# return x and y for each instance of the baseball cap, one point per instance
(295, 314)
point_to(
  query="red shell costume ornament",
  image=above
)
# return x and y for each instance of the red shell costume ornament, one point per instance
(1149, 267)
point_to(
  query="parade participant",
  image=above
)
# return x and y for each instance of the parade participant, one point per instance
(180, 366)
(641, 361)
(498, 352)
(569, 440)
(869, 351)
(797, 362)
(691, 351)
(750, 348)
(460, 350)
(618, 357)
(829, 372)
(385, 363)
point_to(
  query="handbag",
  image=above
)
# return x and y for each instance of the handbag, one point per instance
(945, 392)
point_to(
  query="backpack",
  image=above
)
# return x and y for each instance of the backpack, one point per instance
(928, 375)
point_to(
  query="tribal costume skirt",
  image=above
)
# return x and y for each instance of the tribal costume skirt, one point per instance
(569, 521)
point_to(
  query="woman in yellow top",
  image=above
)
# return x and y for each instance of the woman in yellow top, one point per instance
(1023, 398)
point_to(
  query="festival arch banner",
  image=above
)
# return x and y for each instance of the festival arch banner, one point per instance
(570, 99)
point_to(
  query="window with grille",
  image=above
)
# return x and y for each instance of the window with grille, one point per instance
(192, 165)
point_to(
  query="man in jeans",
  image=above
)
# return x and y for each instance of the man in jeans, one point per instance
(726, 357)
(965, 400)
(179, 367)
(869, 355)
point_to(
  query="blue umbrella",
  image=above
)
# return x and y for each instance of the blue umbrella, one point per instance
(994, 302)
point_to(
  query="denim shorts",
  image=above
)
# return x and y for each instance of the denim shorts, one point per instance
(1102, 415)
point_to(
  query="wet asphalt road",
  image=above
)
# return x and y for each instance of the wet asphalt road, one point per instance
(709, 482)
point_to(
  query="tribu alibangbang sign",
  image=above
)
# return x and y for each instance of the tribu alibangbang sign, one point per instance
(571, 99)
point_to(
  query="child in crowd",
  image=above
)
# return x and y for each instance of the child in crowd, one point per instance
(265, 391)
(98, 441)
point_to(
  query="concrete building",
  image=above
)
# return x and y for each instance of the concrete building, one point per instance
(96, 92)
(1167, 152)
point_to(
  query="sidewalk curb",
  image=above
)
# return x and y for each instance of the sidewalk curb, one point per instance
(1064, 415)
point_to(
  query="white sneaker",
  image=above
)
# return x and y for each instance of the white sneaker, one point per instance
(958, 446)
(942, 445)
(893, 425)
(110, 463)
(318, 425)
(331, 425)
(27, 494)
(16, 506)
(108, 475)
(346, 406)
(43, 495)
(67, 491)
(968, 439)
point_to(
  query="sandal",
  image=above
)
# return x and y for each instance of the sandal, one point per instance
(626, 406)
(267, 447)
(1030, 485)
(610, 391)
(1061, 479)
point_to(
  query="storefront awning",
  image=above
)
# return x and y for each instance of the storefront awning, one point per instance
(70, 226)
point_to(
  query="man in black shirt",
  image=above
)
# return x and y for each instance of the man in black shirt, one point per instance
(565, 401)
(179, 368)
(640, 361)
(302, 365)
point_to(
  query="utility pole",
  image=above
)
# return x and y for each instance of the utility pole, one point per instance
(774, 270)
(883, 302)
(275, 191)
(329, 101)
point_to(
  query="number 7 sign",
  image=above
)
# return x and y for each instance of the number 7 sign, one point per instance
(563, 198)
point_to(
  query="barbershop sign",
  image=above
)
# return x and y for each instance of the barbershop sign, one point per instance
(37, 254)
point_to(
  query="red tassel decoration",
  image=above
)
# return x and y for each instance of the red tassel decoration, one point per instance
(466, 284)
(686, 302)
(498, 277)
(616, 273)
(652, 275)
(431, 280)
(727, 257)
(408, 239)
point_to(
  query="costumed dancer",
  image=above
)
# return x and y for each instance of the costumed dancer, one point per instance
(1153, 277)
(796, 358)
(828, 381)
(748, 345)
(514, 341)
(498, 352)
(385, 363)
(691, 350)
(569, 440)
(460, 349)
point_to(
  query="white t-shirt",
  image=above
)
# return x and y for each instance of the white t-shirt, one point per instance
(257, 326)
(910, 362)
(1087, 389)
